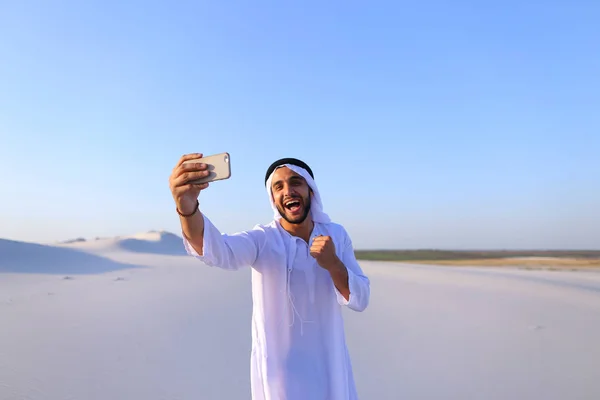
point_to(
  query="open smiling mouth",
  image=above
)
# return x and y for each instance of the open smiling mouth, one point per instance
(292, 205)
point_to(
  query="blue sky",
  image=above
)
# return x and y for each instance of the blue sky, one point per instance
(430, 125)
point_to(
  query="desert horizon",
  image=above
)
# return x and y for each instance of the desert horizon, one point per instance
(398, 253)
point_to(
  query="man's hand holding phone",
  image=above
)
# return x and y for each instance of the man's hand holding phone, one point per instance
(185, 193)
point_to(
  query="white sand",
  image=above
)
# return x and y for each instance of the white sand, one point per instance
(135, 322)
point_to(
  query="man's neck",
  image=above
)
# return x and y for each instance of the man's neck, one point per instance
(302, 230)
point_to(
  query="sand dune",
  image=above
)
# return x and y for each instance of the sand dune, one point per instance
(157, 325)
(24, 257)
(153, 242)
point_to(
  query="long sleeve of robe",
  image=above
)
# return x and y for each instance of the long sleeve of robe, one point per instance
(298, 341)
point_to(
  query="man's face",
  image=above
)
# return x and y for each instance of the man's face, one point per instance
(291, 195)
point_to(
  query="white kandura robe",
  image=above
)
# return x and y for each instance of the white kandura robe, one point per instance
(298, 342)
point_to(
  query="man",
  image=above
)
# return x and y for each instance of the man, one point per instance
(303, 273)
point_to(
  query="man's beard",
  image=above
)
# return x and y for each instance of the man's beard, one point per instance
(301, 218)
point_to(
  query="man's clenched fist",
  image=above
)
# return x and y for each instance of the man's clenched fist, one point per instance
(323, 250)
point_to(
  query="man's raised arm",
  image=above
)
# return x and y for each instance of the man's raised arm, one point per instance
(201, 238)
(186, 195)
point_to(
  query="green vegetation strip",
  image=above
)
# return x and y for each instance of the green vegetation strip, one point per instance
(449, 255)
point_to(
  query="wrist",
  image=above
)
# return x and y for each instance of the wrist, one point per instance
(185, 210)
(336, 266)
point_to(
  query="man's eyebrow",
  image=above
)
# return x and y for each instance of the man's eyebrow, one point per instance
(292, 178)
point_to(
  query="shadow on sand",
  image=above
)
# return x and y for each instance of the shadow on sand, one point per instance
(33, 258)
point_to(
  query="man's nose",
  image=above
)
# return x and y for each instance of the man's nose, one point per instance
(288, 190)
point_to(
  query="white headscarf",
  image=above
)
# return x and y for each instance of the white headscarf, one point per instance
(316, 208)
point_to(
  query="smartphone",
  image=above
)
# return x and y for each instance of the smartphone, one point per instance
(219, 167)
